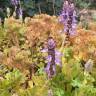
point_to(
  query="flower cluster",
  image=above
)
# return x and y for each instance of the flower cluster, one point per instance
(15, 2)
(18, 8)
(51, 43)
(68, 17)
(53, 58)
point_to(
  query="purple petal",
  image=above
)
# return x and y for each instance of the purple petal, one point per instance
(58, 61)
(44, 50)
(58, 53)
(51, 44)
(49, 58)
(47, 67)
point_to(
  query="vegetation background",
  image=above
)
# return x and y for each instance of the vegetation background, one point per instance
(22, 63)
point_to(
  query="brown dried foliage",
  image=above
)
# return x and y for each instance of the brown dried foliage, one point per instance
(39, 27)
(85, 42)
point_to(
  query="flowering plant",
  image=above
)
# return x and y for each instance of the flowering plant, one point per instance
(68, 17)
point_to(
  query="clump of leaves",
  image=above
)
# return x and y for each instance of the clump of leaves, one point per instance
(11, 83)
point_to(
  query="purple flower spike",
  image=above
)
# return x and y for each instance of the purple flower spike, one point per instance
(68, 17)
(58, 56)
(47, 70)
(53, 58)
(20, 11)
(51, 43)
(51, 53)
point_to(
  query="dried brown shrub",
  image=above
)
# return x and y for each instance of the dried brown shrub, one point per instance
(39, 27)
(85, 43)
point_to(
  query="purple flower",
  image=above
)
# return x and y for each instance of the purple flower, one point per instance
(47, 69)
(74, 17)
(51, 54)
(44, 50)
(66, 5)
(51, 43)
(58, 56)
(49, 58)
(89, 65)
(15, 2)
(19, 12)
(53, 58)
(58, 61)
(68, 17)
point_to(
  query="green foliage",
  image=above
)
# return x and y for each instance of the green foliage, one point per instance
(68, 54)
(94, 16)
(70, 81)
(36, 91)
(46, 6)
(11, 83)
(40, 88)
(85, 86)
(3, 70)
(57, 84)
(82, 4)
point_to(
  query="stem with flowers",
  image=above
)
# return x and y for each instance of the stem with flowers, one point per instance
(18, 8)
(68, 19)
(51, 54)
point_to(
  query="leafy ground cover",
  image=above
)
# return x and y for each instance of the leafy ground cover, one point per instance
(22, 62)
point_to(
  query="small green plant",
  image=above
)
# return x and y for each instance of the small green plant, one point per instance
(11, 83)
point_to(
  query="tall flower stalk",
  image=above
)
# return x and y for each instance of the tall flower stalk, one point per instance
(68, 18)
(51, 55)
(18, 8)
